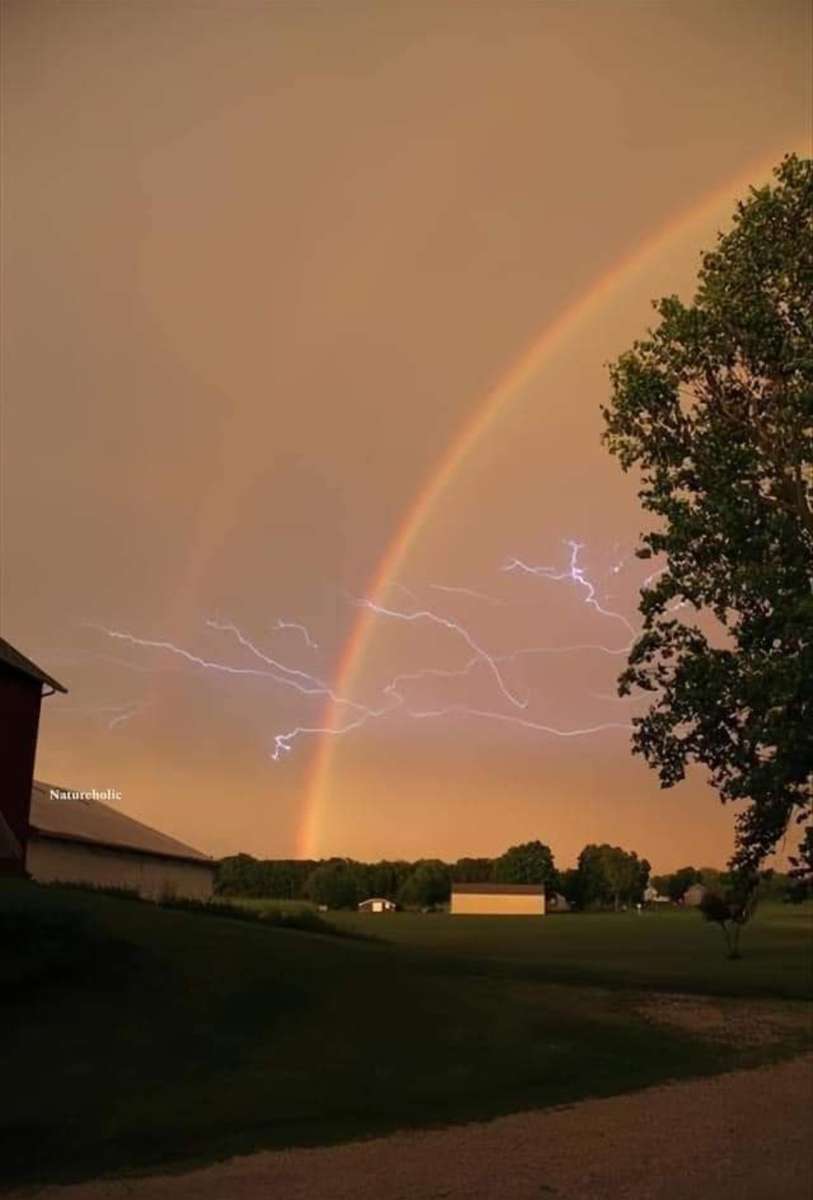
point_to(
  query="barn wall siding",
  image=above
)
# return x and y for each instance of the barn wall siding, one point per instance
(20, 700)
(51, 861)
(498, 904)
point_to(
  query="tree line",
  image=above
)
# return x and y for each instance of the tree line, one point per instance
(604, 877)
(774, 885)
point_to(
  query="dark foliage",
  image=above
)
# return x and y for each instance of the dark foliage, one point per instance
(715, 412)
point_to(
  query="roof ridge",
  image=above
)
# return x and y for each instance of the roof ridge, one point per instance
(99, 804)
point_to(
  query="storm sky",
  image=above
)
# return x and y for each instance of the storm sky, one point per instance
(263, 264)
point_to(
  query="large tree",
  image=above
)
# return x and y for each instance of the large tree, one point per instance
(715, 411)
(530, 862)
(608, 875)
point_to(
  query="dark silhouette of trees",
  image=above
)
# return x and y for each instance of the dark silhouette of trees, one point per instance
(428, 885)
(530, 862)
(608, 876)
(714, 411)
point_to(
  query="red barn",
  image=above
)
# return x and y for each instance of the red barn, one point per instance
(22, 687)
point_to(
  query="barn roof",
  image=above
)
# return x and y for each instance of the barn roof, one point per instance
(94, 823)
(18, 662)
(495, 889)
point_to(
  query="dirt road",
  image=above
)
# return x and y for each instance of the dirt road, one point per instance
(743, 1136)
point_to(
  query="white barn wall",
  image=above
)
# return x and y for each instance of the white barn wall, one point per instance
(154, 878)
(498, 903)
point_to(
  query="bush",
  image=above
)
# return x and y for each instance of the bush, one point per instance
(304, 919)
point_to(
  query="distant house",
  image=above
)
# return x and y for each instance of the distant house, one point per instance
(376, 904)
(503, 899)
(558, 903)
(653, 896)
(22, 687)
(75, 838)
(694, 895)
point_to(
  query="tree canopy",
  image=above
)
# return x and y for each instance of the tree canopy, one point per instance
(610, 875)
(530, 862)
(715, 411)
(429, 884)
(336, 884)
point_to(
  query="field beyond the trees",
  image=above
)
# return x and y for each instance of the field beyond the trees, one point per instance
(135, 1037)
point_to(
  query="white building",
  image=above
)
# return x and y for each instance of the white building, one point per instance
(498, 899)
(377, 904)
(81, 840)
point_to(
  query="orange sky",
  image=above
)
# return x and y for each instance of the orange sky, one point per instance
(262, 264)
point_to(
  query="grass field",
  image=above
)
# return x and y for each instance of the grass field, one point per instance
(673, 949)
(134, 1036)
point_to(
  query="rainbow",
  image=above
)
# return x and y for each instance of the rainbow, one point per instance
(523, 371)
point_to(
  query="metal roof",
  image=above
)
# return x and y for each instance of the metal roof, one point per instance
(18, 662)
(95, 823)
(505, 889)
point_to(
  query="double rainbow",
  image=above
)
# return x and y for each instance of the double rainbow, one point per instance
(523, 371)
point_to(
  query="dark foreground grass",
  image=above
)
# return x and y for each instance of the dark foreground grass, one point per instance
(134, 1037)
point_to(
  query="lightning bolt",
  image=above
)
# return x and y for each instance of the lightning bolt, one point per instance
(523, 722)
(309, 642)
(284, 741)
(574, 573)
(394, 694)
(423, 614)
(302, 681)
(467, 591)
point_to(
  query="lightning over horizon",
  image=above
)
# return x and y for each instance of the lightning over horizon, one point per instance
(394, 693)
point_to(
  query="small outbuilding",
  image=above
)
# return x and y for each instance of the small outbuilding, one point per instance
(75, 837)
(377, 904)
(498, 899)
(557, 903)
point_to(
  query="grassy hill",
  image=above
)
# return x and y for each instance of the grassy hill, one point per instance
(134, 1036)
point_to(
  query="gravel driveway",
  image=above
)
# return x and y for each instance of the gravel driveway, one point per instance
(743, 1136)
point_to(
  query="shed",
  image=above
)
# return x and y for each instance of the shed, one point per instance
(556, 902)
(22, 687)
(76, 838)
(502, 899)
(377, 904)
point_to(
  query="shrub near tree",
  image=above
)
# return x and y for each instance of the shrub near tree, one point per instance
(732, 909)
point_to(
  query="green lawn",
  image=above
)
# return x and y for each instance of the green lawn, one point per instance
(134, 1036)
(673, 950)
